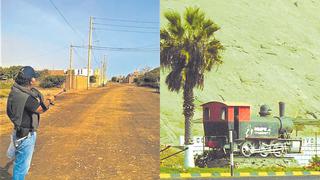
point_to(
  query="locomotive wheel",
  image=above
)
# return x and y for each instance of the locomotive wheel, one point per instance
(279, 153)
(265, 147)
(201, 160)
(246, 148)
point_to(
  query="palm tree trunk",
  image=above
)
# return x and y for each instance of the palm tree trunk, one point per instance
(188, 111)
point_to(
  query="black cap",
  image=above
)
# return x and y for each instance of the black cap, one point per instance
(28, 72)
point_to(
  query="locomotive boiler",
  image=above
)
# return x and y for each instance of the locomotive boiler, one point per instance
(263, 135)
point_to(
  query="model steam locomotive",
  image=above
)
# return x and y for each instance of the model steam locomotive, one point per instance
(263, 135)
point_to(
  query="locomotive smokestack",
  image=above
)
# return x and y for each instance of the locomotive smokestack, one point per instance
(281, 109)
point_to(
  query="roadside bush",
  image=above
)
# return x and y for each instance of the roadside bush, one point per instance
(315, 163)
(9, 72)
(43, 73)
(114, 79)
(149, 79)
(52, 81)
(93, 79)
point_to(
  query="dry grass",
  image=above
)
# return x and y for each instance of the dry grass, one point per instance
(4, 93)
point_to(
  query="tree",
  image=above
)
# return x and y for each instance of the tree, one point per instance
(10, 72)
(43, 73)
(188, 50)
(93, 79)
(114, 79)
(52, 81)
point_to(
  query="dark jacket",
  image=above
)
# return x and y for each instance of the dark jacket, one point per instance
(16, 108)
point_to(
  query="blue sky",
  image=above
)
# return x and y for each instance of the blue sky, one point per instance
(33, 33)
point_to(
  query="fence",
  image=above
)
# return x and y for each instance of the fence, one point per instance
(310, 147)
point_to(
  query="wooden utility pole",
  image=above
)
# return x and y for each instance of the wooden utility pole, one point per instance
(104, 68)
(101, 74)
(89, 51)
(70, 67)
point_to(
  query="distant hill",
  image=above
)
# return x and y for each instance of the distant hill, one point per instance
(272, 54)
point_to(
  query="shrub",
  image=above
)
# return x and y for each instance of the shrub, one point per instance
(52, 81)
(93, 79)
(149, 79)
(43, 73)
(314, 163)
(10, 72)
(114, 79)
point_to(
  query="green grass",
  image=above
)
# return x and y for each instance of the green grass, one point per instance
(224, 170)
(272, 54)
(174, 164)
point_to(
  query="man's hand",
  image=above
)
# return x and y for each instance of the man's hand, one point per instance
(44, 106)
(50, 99)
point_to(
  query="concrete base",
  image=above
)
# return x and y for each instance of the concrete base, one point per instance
(188, 157)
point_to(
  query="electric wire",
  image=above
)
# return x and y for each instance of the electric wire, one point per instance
(81, 57)
(65, 20)
(127, 20)
(127, 26)
(133, 49)
(124, 30)
(95, 59)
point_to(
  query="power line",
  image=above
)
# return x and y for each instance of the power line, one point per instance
(122, 30)
(143, 48)
(95, 59)
(124, 49)
(79, 46)
(65, 20)
(120, 48)
(116, 25)
(81, 57)
(95, 36)
(127, 20)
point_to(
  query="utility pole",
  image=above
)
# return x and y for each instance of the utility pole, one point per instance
(105, 72)
(104, 69)
(89, 51)
(101, 74)
(70, 67)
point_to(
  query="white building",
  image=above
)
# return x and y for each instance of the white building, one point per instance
(83, 72)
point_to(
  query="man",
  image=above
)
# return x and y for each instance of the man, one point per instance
(24, 105)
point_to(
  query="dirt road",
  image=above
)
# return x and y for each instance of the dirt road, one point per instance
(105, 133)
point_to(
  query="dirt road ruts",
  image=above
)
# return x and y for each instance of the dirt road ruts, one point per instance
(103, 133)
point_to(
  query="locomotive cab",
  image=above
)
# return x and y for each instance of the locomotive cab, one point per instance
(219, 118)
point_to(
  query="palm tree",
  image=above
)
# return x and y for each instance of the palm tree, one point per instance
(188, 50)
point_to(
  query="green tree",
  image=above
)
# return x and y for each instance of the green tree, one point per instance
(52, 81)
(114, 79)
(188, 50)
(10, 72)
(93, 79)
